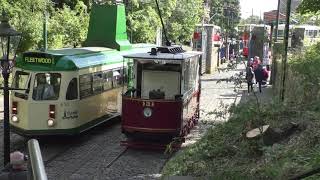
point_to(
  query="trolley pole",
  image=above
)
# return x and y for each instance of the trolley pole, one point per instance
(285, 56)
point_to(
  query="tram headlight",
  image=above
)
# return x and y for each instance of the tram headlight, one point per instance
(14, 118)
(147, 112)
(51, 122)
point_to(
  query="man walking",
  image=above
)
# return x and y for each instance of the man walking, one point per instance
(258, 73)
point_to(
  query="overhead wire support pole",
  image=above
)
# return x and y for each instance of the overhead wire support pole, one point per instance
(45, 27)
(168, 43)
(277, 22)
(285, 56)
(272, 78)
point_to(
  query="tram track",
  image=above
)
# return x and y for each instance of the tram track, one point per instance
(104, 143)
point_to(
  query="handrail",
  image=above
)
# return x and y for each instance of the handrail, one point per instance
(36, 162)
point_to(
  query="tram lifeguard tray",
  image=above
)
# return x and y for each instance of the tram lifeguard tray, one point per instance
(170, 49)
(165, 53)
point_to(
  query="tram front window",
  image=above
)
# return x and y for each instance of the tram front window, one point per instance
(21, 81)
(160, 81)
(46, 86)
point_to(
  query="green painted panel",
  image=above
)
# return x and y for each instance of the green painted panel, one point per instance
(74, 59)
(107, 27)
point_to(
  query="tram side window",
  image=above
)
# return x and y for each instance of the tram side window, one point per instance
(97, 83)
(72, 91)
(117, 79)
(20, 81)
(190, 75)
(46, 86)
(310, 33)
(107, 80)
(186, 76)
(85, 85)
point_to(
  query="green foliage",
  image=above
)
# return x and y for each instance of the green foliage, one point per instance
(68, 19)
(305, 68)
(179, 17)
(27, 17)
(143, 24)
(225, 13)
(183, 20)
(225, 153)
(309, 6)
(252, 20)
(68, 27)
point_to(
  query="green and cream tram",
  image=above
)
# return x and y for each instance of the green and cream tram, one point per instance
(67, 91)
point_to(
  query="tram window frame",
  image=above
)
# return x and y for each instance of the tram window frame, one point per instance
(26, 85)
(117, 83)
(72, 94)
(190, 76)
(97, 82)
(85, 80)
(162, 67)
(56, 86)
(107, 80)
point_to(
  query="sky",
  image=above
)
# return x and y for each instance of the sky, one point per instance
(257, 6)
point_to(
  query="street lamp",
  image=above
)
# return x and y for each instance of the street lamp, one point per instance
(9, 42)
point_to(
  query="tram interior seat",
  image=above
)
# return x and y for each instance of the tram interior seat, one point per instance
(156, 94)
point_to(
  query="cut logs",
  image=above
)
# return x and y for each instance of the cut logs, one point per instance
(268, 134)
(272, 135)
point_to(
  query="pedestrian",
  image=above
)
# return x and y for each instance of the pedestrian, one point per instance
(265, 76)
(256, 62)
(249, 77)
(17, 169)
(258, 74)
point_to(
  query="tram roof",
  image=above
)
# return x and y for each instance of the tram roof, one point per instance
(164, 56)
(69, 59)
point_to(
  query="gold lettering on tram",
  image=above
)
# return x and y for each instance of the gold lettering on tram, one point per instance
(147, 104)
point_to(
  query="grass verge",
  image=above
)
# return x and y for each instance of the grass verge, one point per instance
(225, 153)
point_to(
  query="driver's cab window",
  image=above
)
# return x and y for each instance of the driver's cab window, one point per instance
(21, 81)
(46, 86)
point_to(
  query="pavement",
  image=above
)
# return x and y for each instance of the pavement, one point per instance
(217, 97)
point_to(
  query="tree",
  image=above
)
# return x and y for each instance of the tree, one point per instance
(27, 17)
(251, 20)
(68, 28)
(225, 13)
(309, 6)
(179, 16)
(183, 20)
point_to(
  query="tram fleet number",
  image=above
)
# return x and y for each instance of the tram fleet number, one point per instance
(147, 104)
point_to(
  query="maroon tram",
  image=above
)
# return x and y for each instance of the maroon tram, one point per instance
(162, 101)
